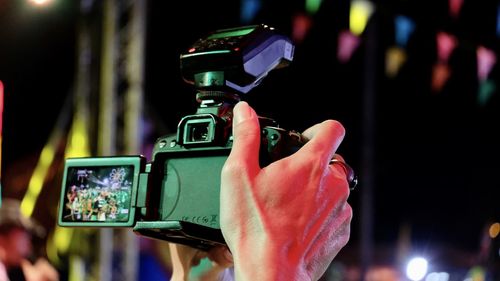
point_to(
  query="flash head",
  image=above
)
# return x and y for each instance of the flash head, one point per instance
(235, 58)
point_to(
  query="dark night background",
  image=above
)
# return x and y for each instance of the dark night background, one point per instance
(436, 154)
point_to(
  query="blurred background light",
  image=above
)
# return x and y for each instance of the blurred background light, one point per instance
(40, 2)
(438, 276)
(416, 268)
(494, 230)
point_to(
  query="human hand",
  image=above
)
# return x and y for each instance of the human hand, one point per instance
(286, 221)
(185, 257)
(41, 270)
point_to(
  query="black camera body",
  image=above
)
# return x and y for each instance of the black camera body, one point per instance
(176, 196)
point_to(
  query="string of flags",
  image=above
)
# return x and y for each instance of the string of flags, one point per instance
(396, 55)
(446, 44)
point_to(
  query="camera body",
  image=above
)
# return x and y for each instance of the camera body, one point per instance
(176, 196)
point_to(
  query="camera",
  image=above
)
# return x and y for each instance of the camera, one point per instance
(175, 197)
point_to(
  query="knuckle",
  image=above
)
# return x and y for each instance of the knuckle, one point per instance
(233, 168)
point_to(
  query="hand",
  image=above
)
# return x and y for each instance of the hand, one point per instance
(185, 257)
(286, 221)
(41, 270)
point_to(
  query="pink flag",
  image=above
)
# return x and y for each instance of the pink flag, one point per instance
(347, 44)
(486, 59)
(455, 7)
(446, 43)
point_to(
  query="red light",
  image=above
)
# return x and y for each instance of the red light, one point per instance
(191, 50)
(236, 49)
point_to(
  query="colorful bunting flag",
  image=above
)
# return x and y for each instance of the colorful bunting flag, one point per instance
(347, 44)
(446, 43)
(486, 59)
(486, 90)
(359, 14)
(440, 74)
(249, 9)
(455, 6)
(404, 27)
(395, 57)
(301, 25)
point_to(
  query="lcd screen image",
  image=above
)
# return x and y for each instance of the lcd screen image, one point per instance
(98, 194)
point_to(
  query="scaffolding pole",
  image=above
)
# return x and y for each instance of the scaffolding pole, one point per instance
(107, 121)
(133, 108)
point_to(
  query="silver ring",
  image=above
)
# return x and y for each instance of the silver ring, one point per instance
(352, 179)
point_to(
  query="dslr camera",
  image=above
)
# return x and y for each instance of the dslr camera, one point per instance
(175, 197)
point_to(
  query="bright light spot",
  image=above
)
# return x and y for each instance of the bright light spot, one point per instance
(494, 230)
(40, 2)
(416, 269)
(438, 276)
(359, 15)
(382, 273)
(477, 273)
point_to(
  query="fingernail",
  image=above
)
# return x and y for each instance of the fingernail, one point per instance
(242, 112)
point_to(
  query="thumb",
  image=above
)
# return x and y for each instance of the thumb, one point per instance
(246, 135)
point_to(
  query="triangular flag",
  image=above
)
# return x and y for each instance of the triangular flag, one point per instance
(404, 28)
(395, 57)
(249, 8)
(347, 44)
(301, 25)
(486, 59)
(498, 20)
(446, 43)
(486, 90)
(312, 6)
(455, 7)
(440, 75)
(359, 14)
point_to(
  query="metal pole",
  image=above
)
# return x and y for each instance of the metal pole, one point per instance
(133, 115)
(107, 121)
(368, 144)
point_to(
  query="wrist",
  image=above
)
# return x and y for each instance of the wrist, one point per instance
(180, 271)
(270, 265)
(179, 276)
